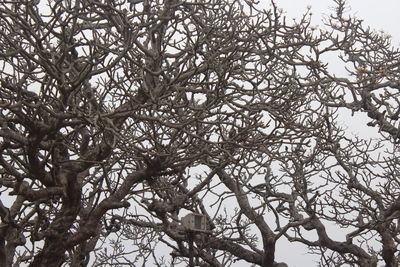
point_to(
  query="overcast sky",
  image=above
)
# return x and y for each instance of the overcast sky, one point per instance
(379, 15)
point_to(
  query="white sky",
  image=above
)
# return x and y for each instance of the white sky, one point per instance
(379, 15)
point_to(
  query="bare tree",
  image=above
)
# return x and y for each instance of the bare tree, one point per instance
(118, 118)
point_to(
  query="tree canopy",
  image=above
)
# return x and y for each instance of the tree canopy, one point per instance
(119, 118)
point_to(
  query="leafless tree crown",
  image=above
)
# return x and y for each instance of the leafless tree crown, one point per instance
(118, 118)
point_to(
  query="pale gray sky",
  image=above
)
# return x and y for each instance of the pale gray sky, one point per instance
(379, 15)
